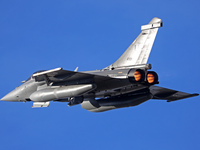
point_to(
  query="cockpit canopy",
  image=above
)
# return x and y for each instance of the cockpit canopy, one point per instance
(31, 77)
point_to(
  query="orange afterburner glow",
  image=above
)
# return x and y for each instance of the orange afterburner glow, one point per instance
(152, 77)
(137, 76)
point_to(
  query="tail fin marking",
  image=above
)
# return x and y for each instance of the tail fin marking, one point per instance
(138, 52)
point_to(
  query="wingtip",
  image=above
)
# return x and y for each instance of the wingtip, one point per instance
(195, 94)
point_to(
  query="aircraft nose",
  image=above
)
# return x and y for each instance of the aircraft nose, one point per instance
(9, 97)
(12, 96)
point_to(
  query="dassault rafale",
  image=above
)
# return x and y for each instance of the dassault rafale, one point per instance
(127, 82)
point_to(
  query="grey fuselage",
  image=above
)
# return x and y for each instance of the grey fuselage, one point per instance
(127, 82)
(103, 88)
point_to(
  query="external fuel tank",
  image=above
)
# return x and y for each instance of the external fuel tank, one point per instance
(54, 93)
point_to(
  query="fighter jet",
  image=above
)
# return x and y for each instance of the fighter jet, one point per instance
(127, 82)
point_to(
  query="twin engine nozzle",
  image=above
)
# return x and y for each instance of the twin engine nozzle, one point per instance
(139, 75)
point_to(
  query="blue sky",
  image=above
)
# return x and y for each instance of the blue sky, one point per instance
(37, 35)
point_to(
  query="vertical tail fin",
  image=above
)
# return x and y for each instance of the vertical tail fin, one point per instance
(138, 52)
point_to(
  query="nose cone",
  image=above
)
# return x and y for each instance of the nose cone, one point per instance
(9, 97)
(12, 96)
